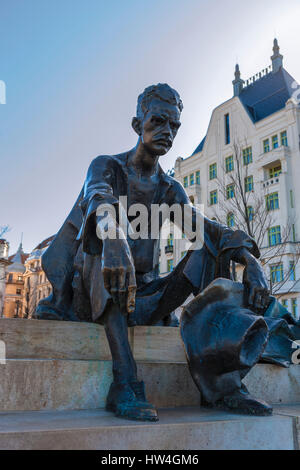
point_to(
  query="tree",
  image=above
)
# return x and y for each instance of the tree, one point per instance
(3, 230)
(242, 207)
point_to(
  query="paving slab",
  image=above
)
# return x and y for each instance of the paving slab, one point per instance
(177, 429)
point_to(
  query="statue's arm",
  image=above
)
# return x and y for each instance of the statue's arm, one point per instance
(241, 248)
(102, 235)
(254, 279)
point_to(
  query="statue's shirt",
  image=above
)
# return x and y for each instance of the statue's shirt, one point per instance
(142, 190)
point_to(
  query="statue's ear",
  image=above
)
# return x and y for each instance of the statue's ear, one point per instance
(136, 125)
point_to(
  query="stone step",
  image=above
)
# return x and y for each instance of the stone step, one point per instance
(66, 365)
(41, 384)
(177, 429)
(45, 339)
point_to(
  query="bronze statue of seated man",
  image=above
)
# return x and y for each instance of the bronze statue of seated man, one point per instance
(115, 281)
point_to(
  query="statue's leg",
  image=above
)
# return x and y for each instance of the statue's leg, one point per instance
(124, 366)
(126, 397)
(223, 341)
(159, 298)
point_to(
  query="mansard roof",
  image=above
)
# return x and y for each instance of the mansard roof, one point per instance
(267, 95)
(264, 97)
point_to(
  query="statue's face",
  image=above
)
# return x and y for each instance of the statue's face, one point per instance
(160, 126)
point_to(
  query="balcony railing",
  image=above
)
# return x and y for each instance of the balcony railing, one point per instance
(271, 181)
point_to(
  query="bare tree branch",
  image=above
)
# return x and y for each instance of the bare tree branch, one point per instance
(4, 229)
(257, 222)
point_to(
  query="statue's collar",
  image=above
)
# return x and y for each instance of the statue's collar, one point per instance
(164, 178)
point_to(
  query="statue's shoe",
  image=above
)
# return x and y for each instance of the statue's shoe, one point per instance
(128, 401)
(241, 401)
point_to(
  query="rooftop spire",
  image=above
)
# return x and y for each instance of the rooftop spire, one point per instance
(17, 265)
(277, 58)
(238, 83)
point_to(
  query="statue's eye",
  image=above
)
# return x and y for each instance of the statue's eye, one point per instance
(157, 120)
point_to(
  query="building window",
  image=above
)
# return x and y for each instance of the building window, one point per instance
(275, 172)
(170, 265)
(10, 278)
(170, 240)
(266, 146)
(18, 291)
(249, 185)
(250, 213)
(212, 171)
(274, 235)
(292, 271)
(292, 199)
(230, 219)
(294, 307)
(276, 272)
(227, 129)
(294, 233)
(20, 278)
(247, 155)
(229, 164)
(192, 179)
(272, 202)
(197, 177)
(283, 139)
(185, 182)
(285, 303)
(275, 141)
(213, 197)
(230, 191)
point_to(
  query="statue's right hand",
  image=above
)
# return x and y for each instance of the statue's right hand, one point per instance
(119, 273)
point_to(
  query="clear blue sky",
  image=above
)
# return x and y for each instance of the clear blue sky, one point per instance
(73, 70)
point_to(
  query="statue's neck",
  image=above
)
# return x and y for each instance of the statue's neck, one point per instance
(142, 161)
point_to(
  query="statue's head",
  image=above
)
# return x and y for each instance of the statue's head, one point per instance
(158, 118)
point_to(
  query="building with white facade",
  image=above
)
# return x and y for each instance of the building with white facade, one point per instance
(4, 262)
(259, 126)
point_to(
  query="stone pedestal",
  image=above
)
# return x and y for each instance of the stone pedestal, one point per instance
(56, 378)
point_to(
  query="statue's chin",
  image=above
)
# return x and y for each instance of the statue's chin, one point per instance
(162, 151)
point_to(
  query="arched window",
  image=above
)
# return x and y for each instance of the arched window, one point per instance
(230, 219)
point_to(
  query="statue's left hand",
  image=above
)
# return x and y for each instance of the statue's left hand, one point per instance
(257, 287)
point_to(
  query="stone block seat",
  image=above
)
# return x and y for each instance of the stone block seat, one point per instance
(57, 374)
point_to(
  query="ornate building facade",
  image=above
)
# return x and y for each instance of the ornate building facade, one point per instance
(252, 149)
(4, 263)
(13, 302)
(36, 284)
(26, 282)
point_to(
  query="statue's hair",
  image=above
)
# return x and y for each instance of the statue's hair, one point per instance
(161, 91)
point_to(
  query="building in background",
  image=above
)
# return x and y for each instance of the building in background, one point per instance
(4, 263)
(26, 282)
(13, 302)
(36, 284)
(245, 173)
